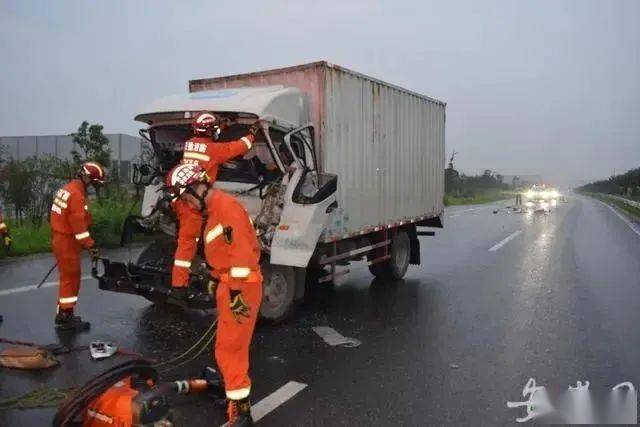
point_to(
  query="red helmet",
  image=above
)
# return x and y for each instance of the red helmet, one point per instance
(182, 176)
(205, 123)
(94, 171)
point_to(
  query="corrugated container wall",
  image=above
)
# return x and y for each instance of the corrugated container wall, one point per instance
(386, 144)
(387, 147)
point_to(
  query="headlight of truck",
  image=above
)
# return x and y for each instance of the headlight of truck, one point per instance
(554, 194)
(544, 194)
(530, 194)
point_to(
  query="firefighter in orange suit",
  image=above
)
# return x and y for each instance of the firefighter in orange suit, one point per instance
(4, 233)
(70, 221)
(204, 151)
(6, 238)
(233, 252)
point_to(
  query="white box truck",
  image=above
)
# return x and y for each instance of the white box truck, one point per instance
(347, 168)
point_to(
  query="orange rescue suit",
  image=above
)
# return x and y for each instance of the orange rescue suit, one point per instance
(232, 250)
(209, 155)
(70, 221)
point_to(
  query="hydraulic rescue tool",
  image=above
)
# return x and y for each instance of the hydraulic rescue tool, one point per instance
(129, 395)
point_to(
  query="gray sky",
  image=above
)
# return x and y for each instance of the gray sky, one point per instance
(550, 87)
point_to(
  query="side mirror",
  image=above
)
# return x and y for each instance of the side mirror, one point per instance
(143, 174)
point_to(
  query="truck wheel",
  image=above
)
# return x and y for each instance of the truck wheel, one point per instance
(278, 291)
(395, 267)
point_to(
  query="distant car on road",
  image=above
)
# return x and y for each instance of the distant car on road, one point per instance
(541, 198)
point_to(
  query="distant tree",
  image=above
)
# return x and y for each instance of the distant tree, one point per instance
(93, 145)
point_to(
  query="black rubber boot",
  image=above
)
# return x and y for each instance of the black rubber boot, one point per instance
(66, 321)
(239, 413)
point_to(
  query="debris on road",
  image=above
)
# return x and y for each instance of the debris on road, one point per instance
(334, 338)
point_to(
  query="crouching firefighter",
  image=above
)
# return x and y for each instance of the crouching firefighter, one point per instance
(204, 150)
(233, 252)
(70, 221)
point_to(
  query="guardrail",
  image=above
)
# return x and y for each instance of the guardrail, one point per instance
(622, 199)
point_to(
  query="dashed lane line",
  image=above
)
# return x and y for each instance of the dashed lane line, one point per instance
(504, 241)
(33, 287)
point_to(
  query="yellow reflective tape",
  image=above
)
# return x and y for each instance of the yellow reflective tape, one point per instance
(81, 236)
(214, 233)
(246, 141)
(182, 263)
(238, 394)
(60, 203)
(197, 156)
(239, 272)
(69, 300)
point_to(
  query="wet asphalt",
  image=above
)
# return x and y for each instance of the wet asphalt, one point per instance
(450, 344)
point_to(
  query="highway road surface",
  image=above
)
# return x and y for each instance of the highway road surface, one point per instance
(499, 298)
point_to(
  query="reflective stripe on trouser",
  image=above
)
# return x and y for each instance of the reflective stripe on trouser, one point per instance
(233, 339)
(67, 252)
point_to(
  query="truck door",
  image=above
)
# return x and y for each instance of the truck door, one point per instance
(307, 203)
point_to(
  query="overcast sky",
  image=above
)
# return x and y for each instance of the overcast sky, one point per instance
(549, 87)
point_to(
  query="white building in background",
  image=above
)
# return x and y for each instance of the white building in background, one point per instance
(125, 149)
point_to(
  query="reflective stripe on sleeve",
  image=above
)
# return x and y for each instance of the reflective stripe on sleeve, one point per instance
(69, 300)
(239, 272)
(182, 263)
(86, 208)
(56, 209)
(238, 394)
(60, 203)
(81, 236)
(246, 141)
(214, 233)
(197, 156)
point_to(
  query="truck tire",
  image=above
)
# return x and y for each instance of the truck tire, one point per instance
(395, 267)
(278, 291)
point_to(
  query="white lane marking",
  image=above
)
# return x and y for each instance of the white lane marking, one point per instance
(622, 217)
(458, 213)
(34, 287)
(275, 399)
(505, 241)
(334, 338)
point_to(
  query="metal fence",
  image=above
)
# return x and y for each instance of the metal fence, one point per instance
(125, 149)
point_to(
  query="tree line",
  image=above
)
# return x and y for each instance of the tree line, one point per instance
(626, 184)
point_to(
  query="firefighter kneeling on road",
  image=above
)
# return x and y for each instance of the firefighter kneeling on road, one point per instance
(232, 251)
(70, 221)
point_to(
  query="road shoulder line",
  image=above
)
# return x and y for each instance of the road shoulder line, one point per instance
(275, 399)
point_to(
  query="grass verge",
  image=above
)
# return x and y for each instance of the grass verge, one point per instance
(108, 219)
(477, 199)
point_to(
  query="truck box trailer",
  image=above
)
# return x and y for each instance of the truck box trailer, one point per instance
(347, 168)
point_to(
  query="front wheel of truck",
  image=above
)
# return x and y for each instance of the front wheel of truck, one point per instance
(399, 257)
(278, 291)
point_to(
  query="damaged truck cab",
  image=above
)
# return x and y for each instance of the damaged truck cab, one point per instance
(316, 182)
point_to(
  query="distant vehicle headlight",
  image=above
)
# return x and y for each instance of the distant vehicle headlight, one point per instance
(530, 194)
(544, 194)
(554, 194)
(529, 204)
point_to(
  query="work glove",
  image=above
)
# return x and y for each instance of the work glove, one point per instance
(255, 127)
(212, 286)
(238, 307)
(7, 241)
(94, 253)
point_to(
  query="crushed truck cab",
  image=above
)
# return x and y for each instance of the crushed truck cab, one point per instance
(346, 168)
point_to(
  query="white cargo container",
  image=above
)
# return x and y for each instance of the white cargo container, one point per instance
(385, 143)
(355, 166)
